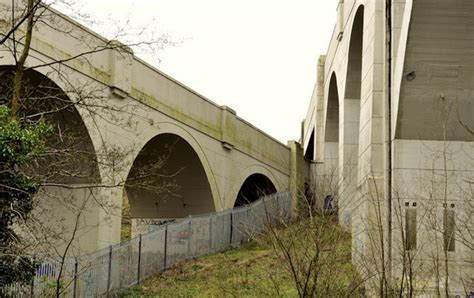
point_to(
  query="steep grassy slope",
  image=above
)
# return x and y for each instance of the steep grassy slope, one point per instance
(254, 270)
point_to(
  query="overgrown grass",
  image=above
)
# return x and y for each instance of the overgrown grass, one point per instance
(254, 270)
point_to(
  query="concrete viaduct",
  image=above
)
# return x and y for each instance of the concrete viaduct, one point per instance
(127, 115)
(389, 134)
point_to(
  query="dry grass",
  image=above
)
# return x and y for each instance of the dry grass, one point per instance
(253, 270)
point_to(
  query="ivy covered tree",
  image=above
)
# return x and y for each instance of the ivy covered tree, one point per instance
(20, 144)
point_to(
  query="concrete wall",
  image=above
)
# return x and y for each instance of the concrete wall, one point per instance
(431, 118)
(433, 151)
(440, 59)
(435, 176)
(125, 103)
(360, 103)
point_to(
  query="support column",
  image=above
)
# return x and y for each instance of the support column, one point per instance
(296, 174)
(110, 216)
(320, 111)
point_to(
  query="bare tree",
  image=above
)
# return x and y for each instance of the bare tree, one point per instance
(432, 224)
(69, 164)
(314, 252)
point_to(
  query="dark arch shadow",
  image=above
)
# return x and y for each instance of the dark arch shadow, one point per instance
(309, 154)
(332, 114)
(254, 187)
(167, 181)
(70, 156)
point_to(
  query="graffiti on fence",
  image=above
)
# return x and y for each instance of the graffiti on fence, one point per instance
(123, 265)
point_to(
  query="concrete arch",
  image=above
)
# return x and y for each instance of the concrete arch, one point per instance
(350, 119)
(252, 170)
(253, 188)
(331, 121)
(326, 181)
(71, 174)
(49, 101)
(171, 140)
(354, 62)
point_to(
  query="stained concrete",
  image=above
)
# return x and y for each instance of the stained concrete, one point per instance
(132, 108)
(416, 150)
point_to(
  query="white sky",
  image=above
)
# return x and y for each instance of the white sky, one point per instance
(256, 56)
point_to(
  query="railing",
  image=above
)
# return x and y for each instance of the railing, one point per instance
(124, 265)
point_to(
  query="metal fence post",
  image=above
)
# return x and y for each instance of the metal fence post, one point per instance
(231, 226)
(139, 257)
(247, 224)
(265, 211)
(32, 290)
(290, 211)
(166, 247)
(210, 233)
(278, 204)
(74, 287)
(109, 273)
(189, 238)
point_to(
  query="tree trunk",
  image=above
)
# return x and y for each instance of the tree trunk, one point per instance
(17, 80)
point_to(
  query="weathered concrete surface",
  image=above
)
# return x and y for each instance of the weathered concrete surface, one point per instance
(417, 152)
(297, 177)
(130, 105)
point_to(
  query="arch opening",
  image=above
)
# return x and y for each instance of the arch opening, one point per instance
(331, 135)
(327, 180)
(253, 188)
(350, 124)
(65, 207)
(167, 181)
(70, 156)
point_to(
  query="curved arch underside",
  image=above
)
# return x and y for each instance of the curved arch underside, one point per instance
(354, 67)
(437, 90)
(332, 114)
(167, 180)
(254, 187)
(331, 134)
(70, 157)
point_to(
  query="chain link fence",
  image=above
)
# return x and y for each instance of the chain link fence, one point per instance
(124, 265)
